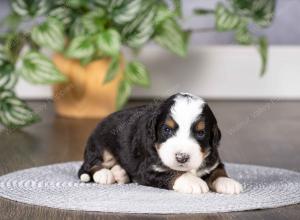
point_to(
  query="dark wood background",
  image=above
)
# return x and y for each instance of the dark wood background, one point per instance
(254, 132)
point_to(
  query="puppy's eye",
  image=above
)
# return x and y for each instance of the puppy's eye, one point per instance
(167, 130)
(200, 134)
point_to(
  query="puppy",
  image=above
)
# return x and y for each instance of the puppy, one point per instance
(172, 145)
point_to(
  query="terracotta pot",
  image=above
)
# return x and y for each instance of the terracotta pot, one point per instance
(85, 95)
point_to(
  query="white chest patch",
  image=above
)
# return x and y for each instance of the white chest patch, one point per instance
(207, 170)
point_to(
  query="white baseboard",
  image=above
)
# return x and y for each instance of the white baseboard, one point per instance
(215, 72)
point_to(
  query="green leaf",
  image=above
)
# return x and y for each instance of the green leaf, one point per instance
(8, 77)
(36, 68)
(136, 73)
(14, 113)
(178, 7)
(76, 3)
(127, 12)
(114, 4)
(13, 44)
(112, 69)
(170, 35)
(243, 6)
(40, 7)
(91, 22)
(123, 93)
(203, 11)
(4, 58)
(77, 28)
(109, 5)
(62, 13)
(80, 47)
(263, 51)
(225, 19)
(263, 12)
(243, 36)
(30, 8)
(94, 21)
(49, 34)
(260, 11)
(163, 13)
(101, 3)
(137, 32)
(20, 7)
(109, 42)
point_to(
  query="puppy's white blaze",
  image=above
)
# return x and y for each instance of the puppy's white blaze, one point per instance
(227, 185)
(104, 176)
(85, 177)
(189, 94)
(188, 183)
(185, 112)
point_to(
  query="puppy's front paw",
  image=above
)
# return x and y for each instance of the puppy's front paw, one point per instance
(104, 176)
(226, 185)
(188, 183)
(119, 174)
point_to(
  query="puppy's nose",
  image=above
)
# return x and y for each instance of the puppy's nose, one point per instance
(182, 157)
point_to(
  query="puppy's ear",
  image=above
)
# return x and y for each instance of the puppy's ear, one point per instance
(215, 135)
(151, 126)
(156, 116)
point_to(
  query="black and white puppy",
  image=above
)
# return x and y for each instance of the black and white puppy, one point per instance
(171, 145)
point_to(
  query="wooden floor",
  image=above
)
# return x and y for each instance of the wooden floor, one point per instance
(263, 133)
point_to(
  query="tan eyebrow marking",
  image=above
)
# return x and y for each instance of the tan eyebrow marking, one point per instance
(170, 123)
(200, 126)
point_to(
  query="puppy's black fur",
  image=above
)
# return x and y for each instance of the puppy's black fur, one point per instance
(131, 136)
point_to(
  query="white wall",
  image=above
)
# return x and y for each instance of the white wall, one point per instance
(214, 72)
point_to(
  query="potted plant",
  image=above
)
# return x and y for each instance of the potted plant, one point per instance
(76, 45)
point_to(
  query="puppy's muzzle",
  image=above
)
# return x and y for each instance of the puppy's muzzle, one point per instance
(182, 157)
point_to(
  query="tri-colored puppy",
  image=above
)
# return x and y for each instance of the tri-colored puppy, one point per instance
(171, 145)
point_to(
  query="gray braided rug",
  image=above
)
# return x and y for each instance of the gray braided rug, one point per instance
(57, 186)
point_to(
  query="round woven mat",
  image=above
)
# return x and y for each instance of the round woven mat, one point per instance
(57, 186)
